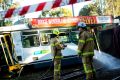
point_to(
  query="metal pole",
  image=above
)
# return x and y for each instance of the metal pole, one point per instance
(101, 6)
(96, 40)
(73, 10)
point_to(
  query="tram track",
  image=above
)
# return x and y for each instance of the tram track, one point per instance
(68, 75)
(45, 74)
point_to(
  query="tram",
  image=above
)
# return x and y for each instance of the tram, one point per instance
(33, 45)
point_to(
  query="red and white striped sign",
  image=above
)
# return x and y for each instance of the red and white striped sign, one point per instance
(37, 7)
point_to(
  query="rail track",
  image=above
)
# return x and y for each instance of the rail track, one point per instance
(47, 74)
(74, 72)
(77, 73)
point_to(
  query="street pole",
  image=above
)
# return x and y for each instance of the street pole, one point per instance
(101, 6)
(73, 10)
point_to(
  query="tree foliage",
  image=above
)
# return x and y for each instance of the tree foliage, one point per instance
(109, 7)
(91, 10)
(112, 7)
(14, 5)
(1, 1)
(5, 4)
(57, 12)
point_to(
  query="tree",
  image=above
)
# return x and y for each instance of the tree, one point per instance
(85, 11)
(57, 12)
(112, 7)
(102, 7)
(1, 1)
(14, 5)
(5, 4)
(91, 10)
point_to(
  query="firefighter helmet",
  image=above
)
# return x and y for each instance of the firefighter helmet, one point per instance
(56, 31)
(81, 25)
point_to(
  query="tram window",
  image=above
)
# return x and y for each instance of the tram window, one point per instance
(30, 39)
(64, 37)
(44, 39)
(74, 37)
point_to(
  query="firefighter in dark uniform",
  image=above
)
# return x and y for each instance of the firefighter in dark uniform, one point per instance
(86, 50)
(56, 47)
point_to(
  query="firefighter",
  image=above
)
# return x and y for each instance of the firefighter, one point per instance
(86, 50)
(56, 47)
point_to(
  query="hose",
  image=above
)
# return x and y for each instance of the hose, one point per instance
(20, 71)
(46, 71)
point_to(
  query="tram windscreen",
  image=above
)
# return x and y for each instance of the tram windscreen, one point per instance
(64, 38)
(30, 39)
(74, 37)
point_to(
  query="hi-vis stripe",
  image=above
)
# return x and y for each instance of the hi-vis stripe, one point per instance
(37, 7)
(87, 53)
(55, 44)
(89, 39)
(58, 57)
(79, 52)
(87, 70)
(83, 41)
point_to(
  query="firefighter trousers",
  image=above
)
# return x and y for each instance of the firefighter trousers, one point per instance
(57, 69)
(88, 67)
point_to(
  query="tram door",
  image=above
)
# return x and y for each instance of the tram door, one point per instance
(6, 49)
(3, 57)
(8, 63)
(7, 54)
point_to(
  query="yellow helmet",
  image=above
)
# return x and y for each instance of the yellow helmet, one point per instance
(56, 31)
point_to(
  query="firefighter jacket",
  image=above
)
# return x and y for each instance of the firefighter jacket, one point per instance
(56, 47)
(85, 44)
